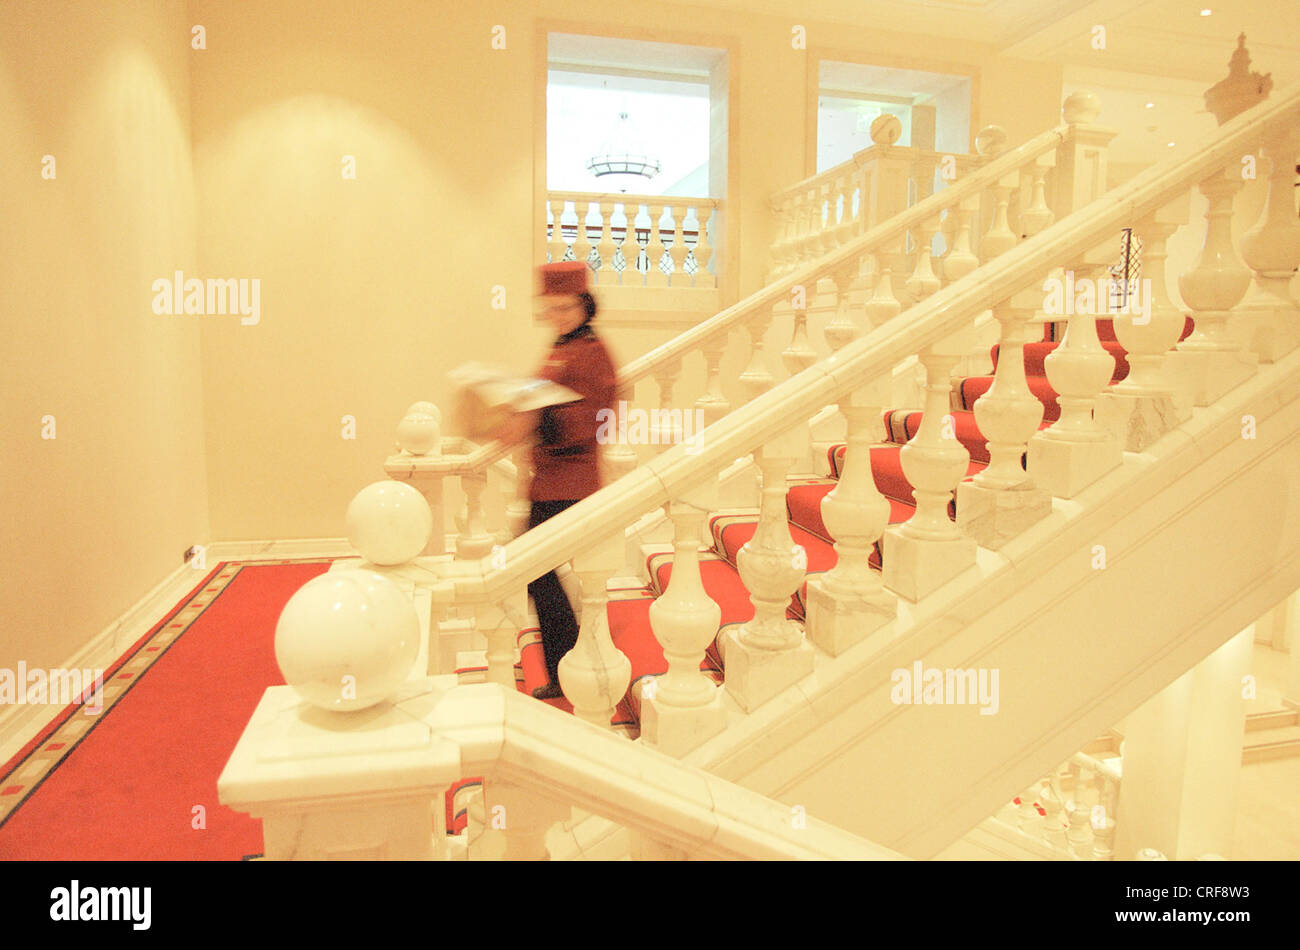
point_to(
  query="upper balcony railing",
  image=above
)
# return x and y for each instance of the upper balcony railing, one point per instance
(828, 209)
(635, 240)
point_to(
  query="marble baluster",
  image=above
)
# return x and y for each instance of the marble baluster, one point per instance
(1002, 500)
(1143, 406)
(473, 540)
(595, 674)
(928, 549)
(1075, 451)
(1272, 250)
(1211, 358)
(712, 401)
(619, 457)
(757, 378)
(923, 281)
(960, 259)
(884, 305)
(606, 247)
(556, 245)
(704, 249)
(679, 277)
(582, 243)
(769, 653)
(657, 246)
(666, 422)
(849, 603)
(683, 708)
(999, 238)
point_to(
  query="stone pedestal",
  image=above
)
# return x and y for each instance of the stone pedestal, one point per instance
(755, 675)
(839, 620)
(677, 730)
(915, 567)
(341, 785)
(993, 516)
(1137, 421)
(1210, 373)
(1067, 468)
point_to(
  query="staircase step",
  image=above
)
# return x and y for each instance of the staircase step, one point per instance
(1268, 744)
(967, 390)
(887, 468)
(1273, 719)
(1036, 358)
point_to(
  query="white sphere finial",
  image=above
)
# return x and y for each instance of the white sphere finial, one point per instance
(347, 639)
(1081, 108)
(990, 141)
(420, 431)
(389, 522)
(886, 129)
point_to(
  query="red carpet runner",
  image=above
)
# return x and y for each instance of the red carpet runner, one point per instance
(127, 784)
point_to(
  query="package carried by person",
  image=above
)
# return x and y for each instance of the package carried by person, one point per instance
(486, 396)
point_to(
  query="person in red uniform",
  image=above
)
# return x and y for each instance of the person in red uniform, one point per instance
(566, 458)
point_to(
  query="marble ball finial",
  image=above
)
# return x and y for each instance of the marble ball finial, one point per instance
(346, 640)
(389, 522)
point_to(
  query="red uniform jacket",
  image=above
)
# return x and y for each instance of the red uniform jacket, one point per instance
(566, 460)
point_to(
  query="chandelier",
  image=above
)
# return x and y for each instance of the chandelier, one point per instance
(621, 160)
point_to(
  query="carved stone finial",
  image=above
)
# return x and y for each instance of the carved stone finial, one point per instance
(1241, 90)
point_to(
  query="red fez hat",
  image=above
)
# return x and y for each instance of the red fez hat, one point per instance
(564, 277)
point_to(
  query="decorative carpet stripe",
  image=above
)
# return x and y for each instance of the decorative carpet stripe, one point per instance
(24, 773)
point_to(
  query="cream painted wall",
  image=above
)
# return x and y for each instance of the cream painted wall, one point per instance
(97, 516)
(373, 288)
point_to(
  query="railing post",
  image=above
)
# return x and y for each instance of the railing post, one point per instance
(770, 652)
(923, 281)
(848, 603)
(1081, 169)
(582, 243)
(683, 708)
(1002, 501)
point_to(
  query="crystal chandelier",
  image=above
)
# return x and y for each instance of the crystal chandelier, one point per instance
(621, 160)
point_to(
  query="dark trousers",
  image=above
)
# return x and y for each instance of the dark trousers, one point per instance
(555, 620)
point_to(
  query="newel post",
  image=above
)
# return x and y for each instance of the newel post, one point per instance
(1082, 165)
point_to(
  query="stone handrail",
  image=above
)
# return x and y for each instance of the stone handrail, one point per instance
(321, 794)
(505, 735)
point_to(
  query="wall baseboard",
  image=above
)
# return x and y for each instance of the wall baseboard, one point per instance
(19, 724)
